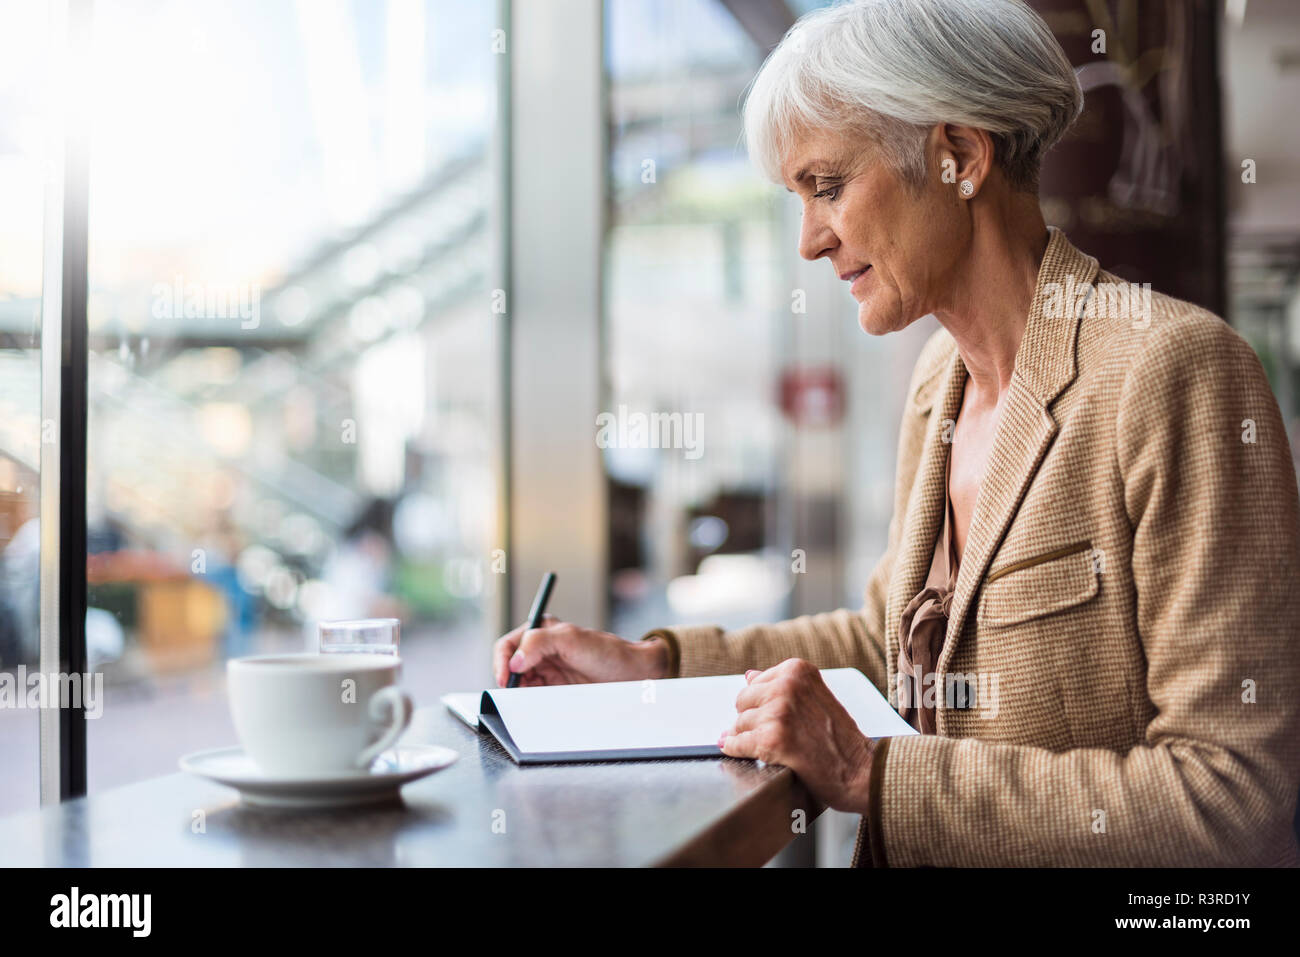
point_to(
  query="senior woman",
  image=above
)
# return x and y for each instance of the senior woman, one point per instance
(1090, 600)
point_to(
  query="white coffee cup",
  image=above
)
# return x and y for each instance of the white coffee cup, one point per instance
(308, 714)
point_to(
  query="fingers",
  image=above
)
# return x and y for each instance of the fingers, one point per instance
(756, 694)
(762, 686)
(744, 744)
(544, 674)
(502, 649)
(756, 708)
(751, 718)
(537, 644)
(791, 667)
(766, 707)
(756, 684)
(505, 646)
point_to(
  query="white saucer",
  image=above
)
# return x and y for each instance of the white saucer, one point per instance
(385, 777)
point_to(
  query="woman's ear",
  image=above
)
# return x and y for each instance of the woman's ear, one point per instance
(964, 153)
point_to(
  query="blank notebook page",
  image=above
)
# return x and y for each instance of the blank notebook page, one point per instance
(654, 715)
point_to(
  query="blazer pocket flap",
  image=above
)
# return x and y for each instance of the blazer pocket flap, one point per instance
(1038, 587)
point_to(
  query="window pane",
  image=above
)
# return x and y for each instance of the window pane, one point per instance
(692, 326)
(24, 52)
(292, 369)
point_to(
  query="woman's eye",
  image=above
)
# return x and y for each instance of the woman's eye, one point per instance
(830, 192)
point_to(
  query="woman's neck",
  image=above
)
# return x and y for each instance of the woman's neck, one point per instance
(994, 290)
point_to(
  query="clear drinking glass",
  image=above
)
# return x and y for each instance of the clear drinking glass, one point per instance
(375, 636)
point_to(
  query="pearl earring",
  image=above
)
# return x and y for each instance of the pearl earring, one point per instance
(967, 187)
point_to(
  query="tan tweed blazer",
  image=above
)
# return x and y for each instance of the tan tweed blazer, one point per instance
(1120, 683)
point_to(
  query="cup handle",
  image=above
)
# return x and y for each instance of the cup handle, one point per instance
(393, 705)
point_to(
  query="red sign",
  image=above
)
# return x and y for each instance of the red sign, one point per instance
(813, 396)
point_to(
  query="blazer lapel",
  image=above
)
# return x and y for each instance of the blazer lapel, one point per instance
(1045, 365)
(922, 523)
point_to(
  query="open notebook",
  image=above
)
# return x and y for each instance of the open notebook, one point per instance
(618, 720)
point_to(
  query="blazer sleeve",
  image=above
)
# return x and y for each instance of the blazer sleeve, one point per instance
(1210, 489)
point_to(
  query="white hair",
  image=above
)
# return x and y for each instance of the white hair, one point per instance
(892, 69)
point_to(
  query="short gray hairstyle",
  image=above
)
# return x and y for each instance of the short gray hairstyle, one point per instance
(892, 69)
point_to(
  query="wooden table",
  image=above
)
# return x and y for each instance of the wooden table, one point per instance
(700, 811)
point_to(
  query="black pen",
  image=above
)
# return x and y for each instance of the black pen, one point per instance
(535, 616)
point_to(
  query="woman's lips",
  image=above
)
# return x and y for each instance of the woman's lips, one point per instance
(861, 276)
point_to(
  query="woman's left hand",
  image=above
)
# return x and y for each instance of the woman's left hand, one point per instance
(788, 716)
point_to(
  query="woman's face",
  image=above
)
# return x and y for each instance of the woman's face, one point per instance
(858, 214)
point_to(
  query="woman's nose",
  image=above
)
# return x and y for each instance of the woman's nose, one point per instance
(815, 238)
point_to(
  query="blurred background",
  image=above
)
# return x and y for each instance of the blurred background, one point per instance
(350, 301)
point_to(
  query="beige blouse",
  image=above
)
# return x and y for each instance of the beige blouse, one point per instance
(925, 626)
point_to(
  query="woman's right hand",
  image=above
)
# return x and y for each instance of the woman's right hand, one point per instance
(561, 653)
